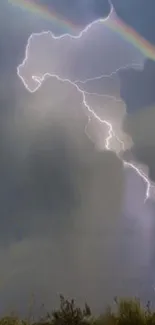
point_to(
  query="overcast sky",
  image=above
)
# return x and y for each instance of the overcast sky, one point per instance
(73, 219)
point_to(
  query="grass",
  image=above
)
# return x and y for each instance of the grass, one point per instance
(128, 312)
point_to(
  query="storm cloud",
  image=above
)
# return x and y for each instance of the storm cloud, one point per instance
(137, 87)
(56, 189)
(138, 92)
(73, 219)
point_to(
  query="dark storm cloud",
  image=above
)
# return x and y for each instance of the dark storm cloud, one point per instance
(137, 87)
(45, 153)
(140, 126)
(60, 198)
(56, 193)
(139, 14)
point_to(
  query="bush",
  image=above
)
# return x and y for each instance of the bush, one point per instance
(128, 312)
(68, 314)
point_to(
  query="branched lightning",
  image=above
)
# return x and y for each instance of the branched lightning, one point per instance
(111, 132)
(113, 73)
(78, 36)
(76, 84)
(103, 95)
(40, 80)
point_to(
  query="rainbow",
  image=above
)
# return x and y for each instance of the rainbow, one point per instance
(114, 23)
(43, 12)
(131, 36)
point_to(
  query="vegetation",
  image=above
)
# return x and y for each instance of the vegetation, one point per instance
(128, 312)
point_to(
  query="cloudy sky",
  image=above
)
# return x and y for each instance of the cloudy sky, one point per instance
(73, 218)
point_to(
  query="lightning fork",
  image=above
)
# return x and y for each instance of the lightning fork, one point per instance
(111, 132)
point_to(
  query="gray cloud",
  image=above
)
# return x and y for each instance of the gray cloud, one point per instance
(140, 126)
(62, 224)
(55, 199)
(137, 91)
(137, 87)
(144, 24)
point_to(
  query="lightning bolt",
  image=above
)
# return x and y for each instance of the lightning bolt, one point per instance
(133, 65)
(111, 133)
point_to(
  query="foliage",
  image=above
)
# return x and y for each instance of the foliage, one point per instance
(128, 312)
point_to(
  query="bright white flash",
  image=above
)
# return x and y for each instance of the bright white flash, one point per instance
(111, 133)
